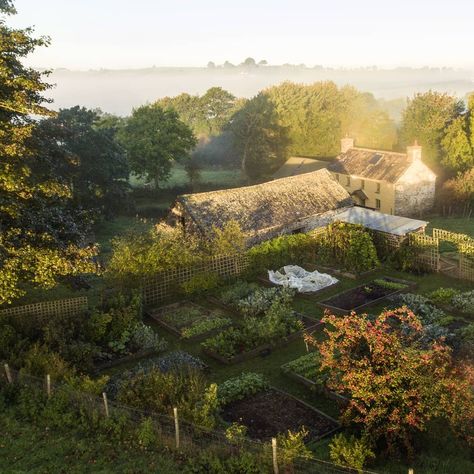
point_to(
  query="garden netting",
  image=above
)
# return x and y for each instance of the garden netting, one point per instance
(296, 277)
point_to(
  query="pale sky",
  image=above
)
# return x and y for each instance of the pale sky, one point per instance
(142, 33)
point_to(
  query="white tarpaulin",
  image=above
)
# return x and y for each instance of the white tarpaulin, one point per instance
(296, 277)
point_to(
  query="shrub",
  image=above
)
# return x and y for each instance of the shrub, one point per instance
(39, 361)
(464, 302)
(291, 447)
(143, 337)
(350, 451)
(236, 433)
(234, 293)
(260, 300)
(161, 392)
(146, 435)
(201, 283)
(443, 295)
(421, 306)
(350, 245)
(237, 388)
(279, 321)
(275, 253)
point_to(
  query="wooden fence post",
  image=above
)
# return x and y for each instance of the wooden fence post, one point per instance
(106, 404)
(8, 373)
(176, 426)
(411, 471)
(274, 454)
(48, 385)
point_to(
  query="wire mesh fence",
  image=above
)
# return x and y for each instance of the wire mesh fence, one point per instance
(169, 431)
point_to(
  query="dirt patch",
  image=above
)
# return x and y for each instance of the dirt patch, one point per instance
(268, 413)
(359, 296)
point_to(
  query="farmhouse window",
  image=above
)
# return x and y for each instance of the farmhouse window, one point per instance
(348, 181)
(378, 188)
(377, 204)
(362, 183)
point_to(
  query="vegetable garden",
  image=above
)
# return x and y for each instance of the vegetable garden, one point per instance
(241, 358)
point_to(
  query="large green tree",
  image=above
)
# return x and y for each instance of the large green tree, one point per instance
(155, 138)
(317, 115)
(98, 170)
(259, 138)
(426, 119)
(33, 247)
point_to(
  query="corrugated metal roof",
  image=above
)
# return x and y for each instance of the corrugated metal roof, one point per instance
(375, 220)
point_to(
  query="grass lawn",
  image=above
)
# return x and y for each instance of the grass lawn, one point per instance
(218, 178)
(25, 448)
(463, 225)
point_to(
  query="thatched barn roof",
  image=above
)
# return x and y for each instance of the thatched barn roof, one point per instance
(372, 164)
(277, 204)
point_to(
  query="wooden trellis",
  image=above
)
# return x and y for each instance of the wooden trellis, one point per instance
(46, 309)
(427, 250)
(466, 261)
(167, 283)
(453, 237)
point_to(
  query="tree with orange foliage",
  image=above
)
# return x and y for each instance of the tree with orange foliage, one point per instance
(395, 385)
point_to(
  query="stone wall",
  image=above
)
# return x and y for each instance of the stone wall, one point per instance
(415, 191)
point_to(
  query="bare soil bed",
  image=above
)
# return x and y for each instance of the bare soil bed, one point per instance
(270, 412)
(362, 296)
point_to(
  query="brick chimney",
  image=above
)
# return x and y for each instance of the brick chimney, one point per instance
(414, 152)
(346, 144)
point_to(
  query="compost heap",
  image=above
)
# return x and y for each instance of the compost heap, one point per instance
(293, 276)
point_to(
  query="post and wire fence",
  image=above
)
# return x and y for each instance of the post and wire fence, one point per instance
(170, 431)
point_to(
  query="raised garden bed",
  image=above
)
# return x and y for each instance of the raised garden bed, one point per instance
(270, 412)
(265, 349)
(306, 371)
(366, 295)
(190, 321)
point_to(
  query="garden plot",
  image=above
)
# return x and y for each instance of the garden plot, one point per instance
(267, 320)
(266, 411)
(190, 321)
(362, 296)
(307, 371)
(174, 361)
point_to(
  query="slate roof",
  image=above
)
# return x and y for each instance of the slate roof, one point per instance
(296, 165)
(270, 205)
(372, 164)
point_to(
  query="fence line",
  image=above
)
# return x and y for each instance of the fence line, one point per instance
(45, 309)
(168, 282)
(427, 250)
(192, 438)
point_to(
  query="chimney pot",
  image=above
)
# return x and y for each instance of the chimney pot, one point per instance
(414, 152)
(346, 144)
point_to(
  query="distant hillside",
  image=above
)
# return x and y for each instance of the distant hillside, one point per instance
(118, 91)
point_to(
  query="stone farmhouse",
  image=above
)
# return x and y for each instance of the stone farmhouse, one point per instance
(390, 182)
(386, 181)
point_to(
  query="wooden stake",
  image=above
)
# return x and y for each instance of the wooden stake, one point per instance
(176, 426)
(411, 471)
(48, 385)
(106, 404)
(274, 452)
(8, 373)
